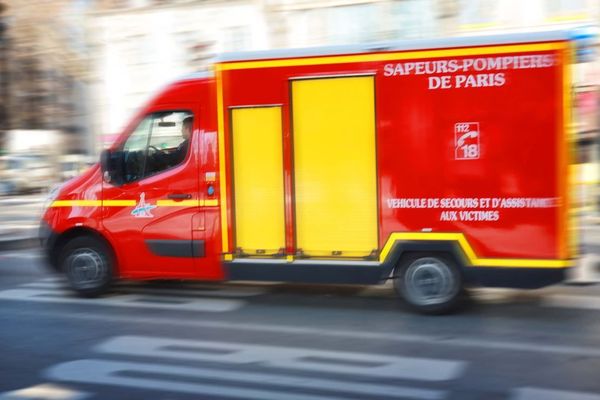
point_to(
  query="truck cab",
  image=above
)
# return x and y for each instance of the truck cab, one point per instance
(151, 202)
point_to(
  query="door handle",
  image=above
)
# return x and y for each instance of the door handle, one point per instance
(179, 196)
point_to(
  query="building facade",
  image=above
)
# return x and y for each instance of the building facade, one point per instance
(85, 66)
(45, 69)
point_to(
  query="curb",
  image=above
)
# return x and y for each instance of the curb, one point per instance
(19, 243)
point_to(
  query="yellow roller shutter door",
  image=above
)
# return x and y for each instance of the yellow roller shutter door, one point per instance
(335, 166)
(258, 180)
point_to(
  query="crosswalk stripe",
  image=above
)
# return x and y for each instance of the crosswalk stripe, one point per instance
(229, 383)
(30, 256)
(46, 391)
(533, 393)
(126, 300)
(465, 342)
(373, 365)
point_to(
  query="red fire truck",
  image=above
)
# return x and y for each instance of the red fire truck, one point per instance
(438, 164)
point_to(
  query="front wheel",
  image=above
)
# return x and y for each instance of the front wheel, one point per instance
(88, 265)
(429, 283)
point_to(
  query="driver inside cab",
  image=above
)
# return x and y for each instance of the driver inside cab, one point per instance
(171, 158)
(161, 141)
(186, 133)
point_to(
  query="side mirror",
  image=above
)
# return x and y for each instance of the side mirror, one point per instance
(109, 164)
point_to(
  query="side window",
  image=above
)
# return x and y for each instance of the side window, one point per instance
(159, 142)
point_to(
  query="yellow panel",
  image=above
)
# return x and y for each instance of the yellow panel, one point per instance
(334, 166)
(258, 180)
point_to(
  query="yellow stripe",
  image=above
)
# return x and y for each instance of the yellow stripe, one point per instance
(222, 177)
(211, 203)
(119, 203)
(76, 203)
(132, 203)
(386, 57)
(180, 203)
(187, 203)
(469, 253)
(572, 234)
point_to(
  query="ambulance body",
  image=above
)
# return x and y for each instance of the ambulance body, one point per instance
(439, 164)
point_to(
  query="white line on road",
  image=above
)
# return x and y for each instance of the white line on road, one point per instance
(206, 290)
(136, 301)
(363, 364)
(532, 393)
(571, 301)
(463, 341)
(44, 391)
(115, 373)
(28, 255)
(58, 278)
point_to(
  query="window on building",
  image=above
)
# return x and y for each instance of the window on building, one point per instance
(411, 19)
(478, 14)
(566, 10)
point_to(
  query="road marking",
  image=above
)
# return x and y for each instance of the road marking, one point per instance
(228, 383)
(463, 341)
(126, 300)
(20, 255)
(57, 278)
(381, 366)
(194, 290)
(46, 391)
(572, 301)
(532, 393)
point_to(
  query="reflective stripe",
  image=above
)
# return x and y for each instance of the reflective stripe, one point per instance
(211, 203)
(76, 203)
(401, 55)
(469, 253)
(222, 160)
(132, 203)
(119, 203)
(179, 203)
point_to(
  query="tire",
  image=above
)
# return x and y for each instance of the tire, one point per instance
(429, 283)
(88, 264)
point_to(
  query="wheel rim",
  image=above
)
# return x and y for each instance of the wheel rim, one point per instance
(430, 281)
(87, 269)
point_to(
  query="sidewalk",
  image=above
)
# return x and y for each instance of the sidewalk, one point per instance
(587, 270)
(19, 221)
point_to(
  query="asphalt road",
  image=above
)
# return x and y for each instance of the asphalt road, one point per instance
(276, 342)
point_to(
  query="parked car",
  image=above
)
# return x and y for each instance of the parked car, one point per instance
(72, 165)
(23, 173)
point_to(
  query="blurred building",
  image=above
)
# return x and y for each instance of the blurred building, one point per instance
(45, 67)
(140, 45)
(85, 66)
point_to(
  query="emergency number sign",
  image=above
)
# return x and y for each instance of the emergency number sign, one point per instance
(466, 141)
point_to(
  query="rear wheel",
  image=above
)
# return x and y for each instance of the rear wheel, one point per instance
(88, 265)
(429, 283)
